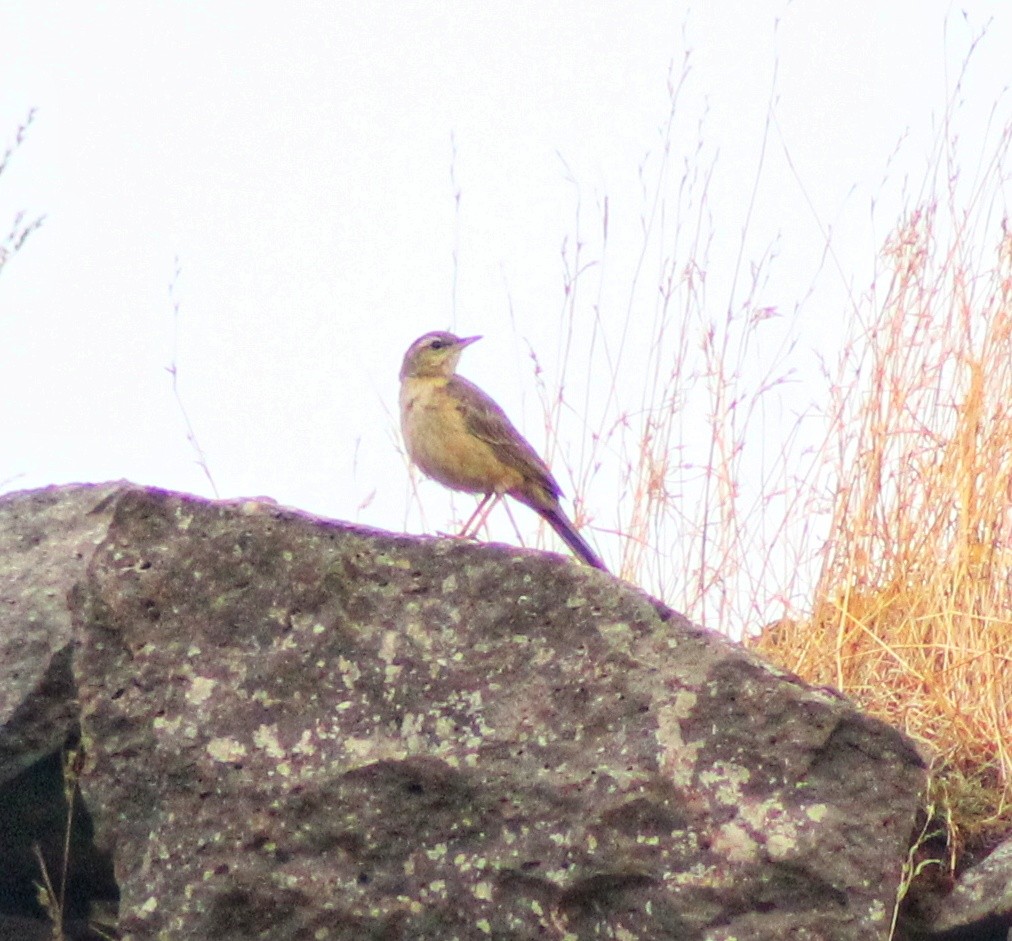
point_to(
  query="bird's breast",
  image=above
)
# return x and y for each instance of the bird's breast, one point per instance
(440, 444)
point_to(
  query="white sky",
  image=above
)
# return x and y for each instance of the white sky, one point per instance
(296, 159)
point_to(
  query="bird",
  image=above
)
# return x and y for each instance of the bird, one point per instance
(457, 435)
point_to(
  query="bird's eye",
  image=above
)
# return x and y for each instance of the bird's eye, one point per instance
(437, 344)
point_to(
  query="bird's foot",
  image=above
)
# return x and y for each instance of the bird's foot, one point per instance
(467, 537)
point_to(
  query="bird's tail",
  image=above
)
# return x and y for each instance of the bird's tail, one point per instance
(561, 524)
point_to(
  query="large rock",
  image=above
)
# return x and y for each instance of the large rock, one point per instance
(47, 540)
(299, 729)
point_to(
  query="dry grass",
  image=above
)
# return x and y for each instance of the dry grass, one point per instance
(22, 227)
(912, 612)
(903, 504)
(652, 404)
(912, 615)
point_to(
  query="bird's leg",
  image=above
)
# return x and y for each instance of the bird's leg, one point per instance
(478, 517)
(471, 527)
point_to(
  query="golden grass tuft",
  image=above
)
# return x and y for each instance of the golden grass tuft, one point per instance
(912, 614)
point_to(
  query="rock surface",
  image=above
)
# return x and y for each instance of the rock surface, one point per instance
(47, 540)
(980, 905)
(297, 729)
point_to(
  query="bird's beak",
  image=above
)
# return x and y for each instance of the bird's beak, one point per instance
(467, 341)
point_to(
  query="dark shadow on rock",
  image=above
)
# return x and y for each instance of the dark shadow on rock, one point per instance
(33, 814)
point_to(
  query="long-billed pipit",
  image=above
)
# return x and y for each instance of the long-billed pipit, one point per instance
(457, 435)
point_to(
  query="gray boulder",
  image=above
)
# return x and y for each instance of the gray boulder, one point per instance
(299, 729)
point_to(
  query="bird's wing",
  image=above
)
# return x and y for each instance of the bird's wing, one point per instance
(487, 421)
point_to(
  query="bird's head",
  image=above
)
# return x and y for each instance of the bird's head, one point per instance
(434, 354)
